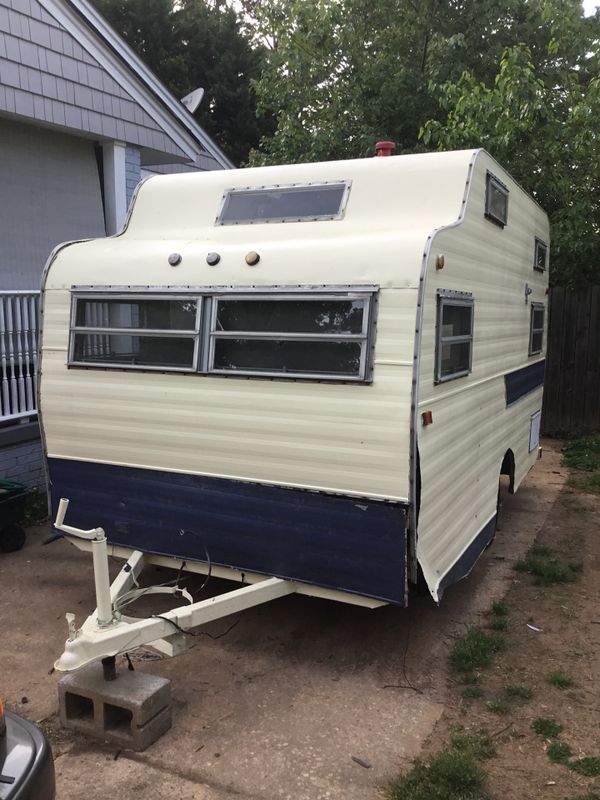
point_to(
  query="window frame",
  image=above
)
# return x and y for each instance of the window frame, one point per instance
(492, 181)
(540, 243)
(205, 335)
(536, 307)
(171, 333)
(347, 183)
(447, 297)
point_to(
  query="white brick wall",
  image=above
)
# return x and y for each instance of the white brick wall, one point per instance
(23, 463)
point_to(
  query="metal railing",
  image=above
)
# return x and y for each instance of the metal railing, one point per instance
(19, 315)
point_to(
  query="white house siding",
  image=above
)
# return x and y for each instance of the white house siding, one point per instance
(50, 194)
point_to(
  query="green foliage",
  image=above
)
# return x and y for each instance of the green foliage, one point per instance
(451, 775)
(478, 742)
(588, 766)
(583, 453)
(588, 796)
(561, 680)
(499, 705)
(475, 651)
(472, 693)
(519, 692)
(499, 609)
(546, 727)
(499, 617)
(36, 507)
(559, 752)
(546, 568)
(192, 43)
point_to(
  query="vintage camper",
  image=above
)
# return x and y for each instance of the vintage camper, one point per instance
(311, 373)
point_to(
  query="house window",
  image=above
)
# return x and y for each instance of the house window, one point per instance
(536, 328)
(540, 255)
(135, 333)
(496, 200)
(454, 346)
(296, 203)
(314, 337)
(295, 334)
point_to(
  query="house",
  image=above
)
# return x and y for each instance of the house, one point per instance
(82, 119)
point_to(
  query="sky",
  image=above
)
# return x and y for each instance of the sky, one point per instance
(589, 6)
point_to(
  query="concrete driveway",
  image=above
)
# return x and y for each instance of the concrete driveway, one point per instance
(282, 705)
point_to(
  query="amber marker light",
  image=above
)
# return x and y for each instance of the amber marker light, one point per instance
(427, 417)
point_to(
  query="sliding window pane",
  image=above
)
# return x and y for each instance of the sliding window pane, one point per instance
(300, 357)
(455, 358)
(127, 351)
(146, 314)
(291, 316)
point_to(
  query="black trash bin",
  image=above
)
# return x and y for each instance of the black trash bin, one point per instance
(12, 511)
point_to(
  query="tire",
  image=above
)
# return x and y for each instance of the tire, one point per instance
(12, 538)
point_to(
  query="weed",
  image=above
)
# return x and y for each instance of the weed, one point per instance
(521, 692)
(561, 680)
(477, 741)
(583, 454)
(472, 693)
(476, 650)
(451, 775)
(588, 766)
(559, 752)
(588, 796)
(498, 623)
(546, 568)
(499, 610)
(36, 507)
(546, 727)
(498, 706)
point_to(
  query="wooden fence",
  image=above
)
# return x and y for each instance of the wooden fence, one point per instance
(572, 382)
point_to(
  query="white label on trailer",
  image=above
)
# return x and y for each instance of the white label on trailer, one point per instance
(534, 430)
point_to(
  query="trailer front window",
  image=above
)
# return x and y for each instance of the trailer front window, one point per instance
(454, 335)
(294, 203)
(291, 336)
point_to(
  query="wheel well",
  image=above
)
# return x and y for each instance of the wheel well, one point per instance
(508, 468)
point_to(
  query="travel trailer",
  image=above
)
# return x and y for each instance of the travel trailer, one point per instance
(306, 378)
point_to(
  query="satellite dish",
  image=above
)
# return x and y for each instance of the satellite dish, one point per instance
(192, 100)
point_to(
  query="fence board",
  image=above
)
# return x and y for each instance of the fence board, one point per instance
(572, 385)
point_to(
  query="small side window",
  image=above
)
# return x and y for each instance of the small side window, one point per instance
(496, 200)
(540, 255)
(454, 344)
(536, 328)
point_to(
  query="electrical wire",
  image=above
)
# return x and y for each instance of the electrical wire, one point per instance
(199, 633)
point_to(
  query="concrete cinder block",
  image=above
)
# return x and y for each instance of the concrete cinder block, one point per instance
(132, 711)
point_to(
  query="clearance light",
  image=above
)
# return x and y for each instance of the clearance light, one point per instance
(427, 417)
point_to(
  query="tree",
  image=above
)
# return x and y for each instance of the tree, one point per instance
(543, 123)
(189, 44)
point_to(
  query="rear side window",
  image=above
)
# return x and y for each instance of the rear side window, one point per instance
(454, 344)
(536, 328)
(496, 200)
(298, 203)
(540, 255)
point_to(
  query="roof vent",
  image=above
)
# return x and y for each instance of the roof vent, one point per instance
(385, 148)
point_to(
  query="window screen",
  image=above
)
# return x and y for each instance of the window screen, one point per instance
(536, 328)
(135, 332)
(496, 200)
(454, 335)
(293, 336)
(323, 201)
(540, 255)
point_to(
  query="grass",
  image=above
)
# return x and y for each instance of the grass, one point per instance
(559, 752)
(546, 727)
(547, 570)
(588, 796)
(36, 507)
(520, 692)
(450, 775)
(475, 651)
(498, 705)
(561, 680)
(588, 766)
(477, 741)
(499, 617)
(583, 454)
(472, 693)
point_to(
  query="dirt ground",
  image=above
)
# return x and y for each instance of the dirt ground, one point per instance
(311, 699)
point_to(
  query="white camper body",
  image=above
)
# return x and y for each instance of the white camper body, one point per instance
(312, 372)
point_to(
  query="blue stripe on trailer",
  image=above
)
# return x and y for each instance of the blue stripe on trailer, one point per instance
(344, 543)
(469, 558)
(524, 380)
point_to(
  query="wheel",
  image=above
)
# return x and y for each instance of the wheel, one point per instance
(12, 538)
